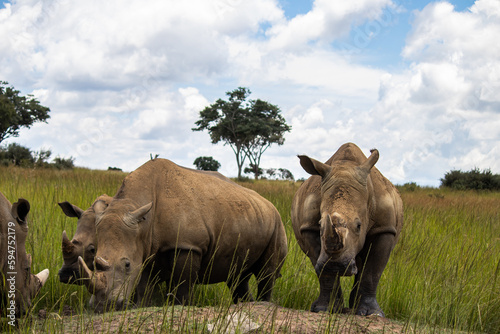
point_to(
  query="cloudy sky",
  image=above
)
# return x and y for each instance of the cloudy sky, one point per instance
(419, 80)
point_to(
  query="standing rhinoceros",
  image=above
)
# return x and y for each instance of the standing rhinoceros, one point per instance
(182, 226)
(347, 218)
(83, 242)
(17, 285)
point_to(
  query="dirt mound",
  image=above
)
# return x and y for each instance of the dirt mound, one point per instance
(255, 317)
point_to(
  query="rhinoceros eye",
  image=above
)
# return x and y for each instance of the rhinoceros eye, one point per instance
(91, 250)
(127, 264)
(358, 225)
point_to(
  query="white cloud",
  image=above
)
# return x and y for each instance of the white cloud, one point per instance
(443, 104)
(125, 79)
(326, 21)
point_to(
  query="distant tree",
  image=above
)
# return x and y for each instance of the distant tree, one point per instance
(285, 174)
(473, 179)
(41, 157)
(18, 111)
(17, 155)
(206, 163)
(249, 127)
(279, 174)
(64, 163)
(267, 127)
(255, 170)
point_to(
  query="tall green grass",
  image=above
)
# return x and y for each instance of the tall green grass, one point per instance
(443, 273)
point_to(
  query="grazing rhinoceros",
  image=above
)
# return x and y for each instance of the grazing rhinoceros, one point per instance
(83, 242)
(173, 224)
(17, 285)
(347, 218)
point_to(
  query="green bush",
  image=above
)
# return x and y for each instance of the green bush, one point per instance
(16, 154)
(471, 180)
(61, 163)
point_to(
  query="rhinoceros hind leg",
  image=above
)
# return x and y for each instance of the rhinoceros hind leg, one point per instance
(266, 285)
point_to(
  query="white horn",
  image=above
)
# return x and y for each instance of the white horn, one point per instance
(43, 276)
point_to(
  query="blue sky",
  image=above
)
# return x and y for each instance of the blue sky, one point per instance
(415, 79)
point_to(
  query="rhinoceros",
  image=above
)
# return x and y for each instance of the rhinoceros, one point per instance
(17, 285)
(347, 218)
(83, 242)
(170, 223)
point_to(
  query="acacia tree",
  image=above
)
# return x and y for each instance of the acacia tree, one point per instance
(18, 111)
(249, 127)
(206, 163)
(268, 127)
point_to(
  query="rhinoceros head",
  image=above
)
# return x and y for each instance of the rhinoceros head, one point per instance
(121, 250)
(345, 205)
(17, 278)
(83, 242)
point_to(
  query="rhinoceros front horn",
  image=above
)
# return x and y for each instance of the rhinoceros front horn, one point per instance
(43, 276)
(93, 281)
(67, 246)
(332, 240)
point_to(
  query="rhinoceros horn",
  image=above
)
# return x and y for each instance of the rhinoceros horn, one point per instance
(67, 246)
(93, 281)
(43, 276)
(370, 162)
(333, 241)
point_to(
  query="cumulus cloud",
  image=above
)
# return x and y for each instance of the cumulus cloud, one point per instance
(127, 79)
(326, 21)
(443, 102)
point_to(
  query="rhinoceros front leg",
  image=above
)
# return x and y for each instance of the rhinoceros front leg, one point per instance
(240, 289)
(329, 286)
(371, 263)
(329, 283)
(185, 274)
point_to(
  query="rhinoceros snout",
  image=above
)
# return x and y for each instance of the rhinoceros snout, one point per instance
(67, 275)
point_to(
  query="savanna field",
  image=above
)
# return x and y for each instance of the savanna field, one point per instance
(443, 275)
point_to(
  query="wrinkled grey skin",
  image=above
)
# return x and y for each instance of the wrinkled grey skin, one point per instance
(184, 227)
(347, 218)
(83, 242)
(27, 285)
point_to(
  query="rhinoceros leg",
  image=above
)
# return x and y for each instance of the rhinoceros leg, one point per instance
(186, 266)
(267, 268)
(329, 286)
(312, 245)
(240, 289)
(371, 263)
(329, 283)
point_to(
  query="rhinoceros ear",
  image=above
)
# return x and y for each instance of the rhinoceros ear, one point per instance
(314, 167)
(139, 214)
(20, 210)
(99, 206)
(71, 210)
(370, 162)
